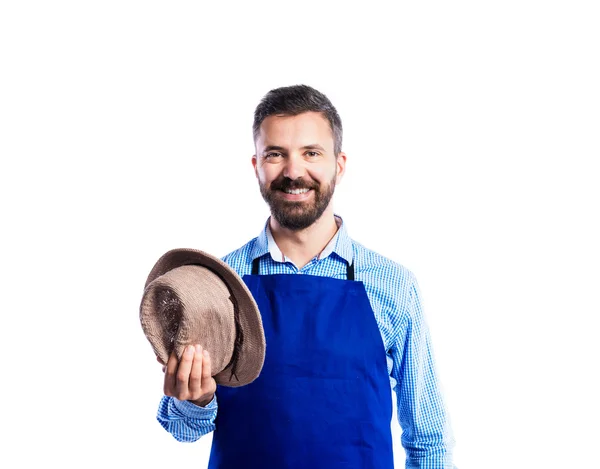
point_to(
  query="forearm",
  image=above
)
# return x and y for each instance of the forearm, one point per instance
(186, 421)
(426, 433)
(430, 452)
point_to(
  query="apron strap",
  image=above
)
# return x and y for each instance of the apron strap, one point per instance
(349, 268)
(255, 263)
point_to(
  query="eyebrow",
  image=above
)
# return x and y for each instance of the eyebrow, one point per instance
(313, 146)
(273, 147)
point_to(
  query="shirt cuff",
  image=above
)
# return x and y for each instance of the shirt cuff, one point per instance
(193, 411)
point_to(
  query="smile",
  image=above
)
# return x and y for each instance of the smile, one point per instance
(296, 191)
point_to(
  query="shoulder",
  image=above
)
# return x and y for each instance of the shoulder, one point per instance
(368, 262)
(392, 286)
(240, 259)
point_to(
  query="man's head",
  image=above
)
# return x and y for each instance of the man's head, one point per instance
(294, 100)
(298, 160)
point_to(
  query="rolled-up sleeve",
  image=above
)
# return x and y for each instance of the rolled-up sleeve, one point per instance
(187, 422)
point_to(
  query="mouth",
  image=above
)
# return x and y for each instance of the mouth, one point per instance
(296, 191)
(295, 194)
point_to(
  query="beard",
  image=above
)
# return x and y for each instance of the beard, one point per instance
(297, 215)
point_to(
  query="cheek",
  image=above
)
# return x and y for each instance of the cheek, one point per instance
(266, 174)
(323, 174)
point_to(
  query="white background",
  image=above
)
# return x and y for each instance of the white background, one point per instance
(472, 134)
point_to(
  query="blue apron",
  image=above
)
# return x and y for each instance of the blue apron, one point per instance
(323, 398)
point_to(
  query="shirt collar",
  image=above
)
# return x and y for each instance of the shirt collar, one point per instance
(340, 244)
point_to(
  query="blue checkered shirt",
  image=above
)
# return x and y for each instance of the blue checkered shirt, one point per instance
(394, 295)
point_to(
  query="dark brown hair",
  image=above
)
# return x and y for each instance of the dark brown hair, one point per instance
(294, 100)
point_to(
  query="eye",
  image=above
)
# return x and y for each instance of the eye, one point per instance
(272, 154)
(312, 154)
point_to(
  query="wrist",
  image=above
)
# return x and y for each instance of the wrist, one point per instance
(203, 402)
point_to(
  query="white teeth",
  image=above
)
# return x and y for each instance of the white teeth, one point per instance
(296, 191)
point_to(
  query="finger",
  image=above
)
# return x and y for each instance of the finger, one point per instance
(171, 369)
(196, 374)
(183, 372)
(206, 367)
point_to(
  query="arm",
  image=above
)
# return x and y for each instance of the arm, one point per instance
(426, 433)
(189, 407)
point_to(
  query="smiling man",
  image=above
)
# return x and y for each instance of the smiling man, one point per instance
(298, 179)
(343, 325)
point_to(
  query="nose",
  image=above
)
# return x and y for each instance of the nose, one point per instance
(294, 167)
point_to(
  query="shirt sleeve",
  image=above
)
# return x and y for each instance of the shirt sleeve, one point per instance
(187, 422)
(426, 434)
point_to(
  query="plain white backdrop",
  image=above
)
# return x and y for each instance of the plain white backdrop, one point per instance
(472, 135)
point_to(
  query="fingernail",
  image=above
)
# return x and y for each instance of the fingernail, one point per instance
(198, 349)
(190, 351)
(205, 353)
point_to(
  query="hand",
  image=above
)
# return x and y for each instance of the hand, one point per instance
(190, 379)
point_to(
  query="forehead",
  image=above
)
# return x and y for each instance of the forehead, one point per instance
(303, 129)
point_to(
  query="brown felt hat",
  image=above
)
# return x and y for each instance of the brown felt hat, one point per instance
(191, 297)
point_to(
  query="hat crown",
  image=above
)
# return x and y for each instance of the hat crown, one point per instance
(209, 310)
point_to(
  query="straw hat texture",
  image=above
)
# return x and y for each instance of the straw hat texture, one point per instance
(192, 297)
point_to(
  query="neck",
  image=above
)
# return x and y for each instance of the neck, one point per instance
(304, 245)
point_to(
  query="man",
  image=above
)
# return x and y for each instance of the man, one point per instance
(343, 325)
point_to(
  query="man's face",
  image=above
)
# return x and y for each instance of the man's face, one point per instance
(296, 167)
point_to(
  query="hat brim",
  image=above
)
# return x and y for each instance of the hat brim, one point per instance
(251, 354)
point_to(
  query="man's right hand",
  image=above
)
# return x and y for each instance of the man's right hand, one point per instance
(190, 379)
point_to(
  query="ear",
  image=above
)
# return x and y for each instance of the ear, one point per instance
(340, 164)
(254, 165)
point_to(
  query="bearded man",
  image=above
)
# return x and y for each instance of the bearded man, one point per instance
(343, 325)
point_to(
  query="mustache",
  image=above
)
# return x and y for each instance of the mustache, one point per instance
(285, 183)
